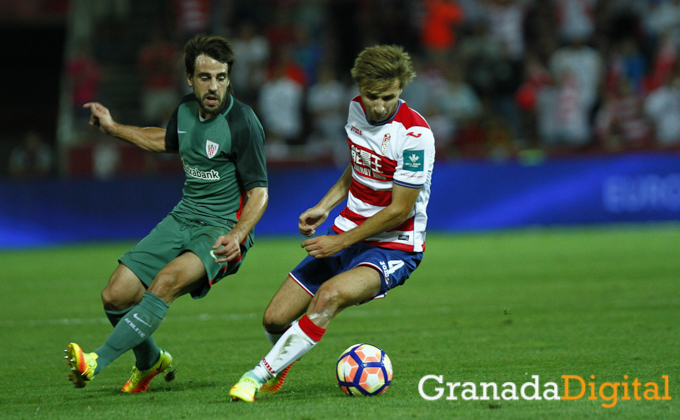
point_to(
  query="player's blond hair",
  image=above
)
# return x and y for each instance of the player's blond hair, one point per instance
(377, 67)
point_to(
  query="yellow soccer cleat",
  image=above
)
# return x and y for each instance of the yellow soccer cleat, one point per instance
(245, 389)
(82, 365)
(275, 383)
(140, 379)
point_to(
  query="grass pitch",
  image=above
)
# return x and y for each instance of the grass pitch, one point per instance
(496, 307)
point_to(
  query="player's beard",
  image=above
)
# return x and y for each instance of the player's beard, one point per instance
(211, 109)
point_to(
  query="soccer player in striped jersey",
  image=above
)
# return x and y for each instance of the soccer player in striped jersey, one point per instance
(377, 241)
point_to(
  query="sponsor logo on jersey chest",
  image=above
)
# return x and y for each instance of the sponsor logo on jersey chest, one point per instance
(356, 130)
(367, 163)
(211, 148)
(211, 175)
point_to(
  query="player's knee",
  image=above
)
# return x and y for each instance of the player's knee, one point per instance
(274, 321)
(113, 300)
(328, 298)
(123, 291)
(166, 286)
(108, 299)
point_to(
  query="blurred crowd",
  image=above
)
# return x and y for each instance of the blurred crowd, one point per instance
(497, 79)
(33, 10)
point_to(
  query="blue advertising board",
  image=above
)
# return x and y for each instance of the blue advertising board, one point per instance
(468, 196)
(630, 188)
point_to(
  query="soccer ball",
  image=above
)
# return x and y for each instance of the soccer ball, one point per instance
(364, 369)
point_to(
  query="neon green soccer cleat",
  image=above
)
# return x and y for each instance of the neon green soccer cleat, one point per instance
(245, 390)
(275, 383)
(82, 365)
(140, 379)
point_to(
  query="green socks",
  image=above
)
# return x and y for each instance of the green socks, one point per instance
(132, 329)
(147, 353)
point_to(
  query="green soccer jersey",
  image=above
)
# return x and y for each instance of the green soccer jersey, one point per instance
(223, 157)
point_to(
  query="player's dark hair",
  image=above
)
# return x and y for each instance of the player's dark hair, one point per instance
(377, 67)
(214, 47)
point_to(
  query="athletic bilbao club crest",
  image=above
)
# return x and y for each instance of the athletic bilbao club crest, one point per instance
(211, 148)
(386, 142)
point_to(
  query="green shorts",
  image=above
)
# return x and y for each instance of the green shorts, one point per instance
(172, 237)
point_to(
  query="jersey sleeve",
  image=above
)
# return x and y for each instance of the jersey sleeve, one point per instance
(415, 158)
(171, 136)
(249, 149)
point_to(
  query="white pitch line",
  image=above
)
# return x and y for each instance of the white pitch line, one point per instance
(376, 313)
(104, 320)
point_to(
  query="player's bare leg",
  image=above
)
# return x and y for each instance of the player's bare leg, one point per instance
(182, 275)
(124, 290)
(171, 282)
(288, 304)
(344, 290)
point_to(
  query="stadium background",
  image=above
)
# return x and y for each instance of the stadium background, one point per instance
(484, 69)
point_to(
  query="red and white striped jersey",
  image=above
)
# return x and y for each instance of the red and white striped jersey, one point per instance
(397, 151)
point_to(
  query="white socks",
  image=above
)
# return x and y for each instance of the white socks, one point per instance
(288, 347)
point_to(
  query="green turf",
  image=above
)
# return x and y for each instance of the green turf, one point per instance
(495, 307)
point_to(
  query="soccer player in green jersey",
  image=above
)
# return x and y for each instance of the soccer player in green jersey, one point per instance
(208, 233)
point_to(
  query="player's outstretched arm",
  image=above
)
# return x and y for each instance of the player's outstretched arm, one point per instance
(251, 214)
(151, 138)
(314, 217)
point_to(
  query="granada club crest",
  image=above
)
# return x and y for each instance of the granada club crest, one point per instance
(211, 148)
(385, 143)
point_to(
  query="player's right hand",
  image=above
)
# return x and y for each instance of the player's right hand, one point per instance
(100, 117)
(226, 249)
(310, 220)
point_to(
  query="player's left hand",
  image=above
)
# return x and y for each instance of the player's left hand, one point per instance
(323, 246)
(230, 250)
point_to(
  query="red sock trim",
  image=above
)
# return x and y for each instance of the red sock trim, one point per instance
(310, 328)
